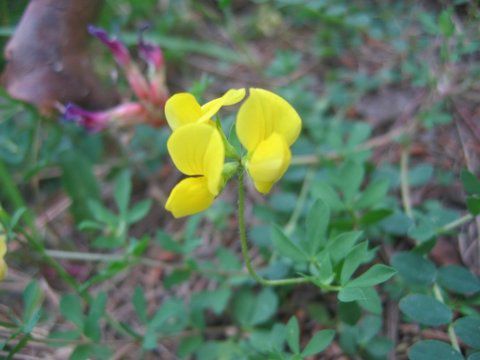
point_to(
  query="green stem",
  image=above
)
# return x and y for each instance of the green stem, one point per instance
(12, 193)
(302, 197)
(244, 243)
(92, 257)
(454, 224)
(451, 332)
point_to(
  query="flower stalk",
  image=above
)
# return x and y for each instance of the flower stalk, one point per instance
(244, 243)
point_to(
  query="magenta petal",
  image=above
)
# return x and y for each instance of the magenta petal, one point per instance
(90, 120)
(151, 53)
(118, 49)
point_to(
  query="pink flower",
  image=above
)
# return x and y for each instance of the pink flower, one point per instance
(123, 114)
(118, 49)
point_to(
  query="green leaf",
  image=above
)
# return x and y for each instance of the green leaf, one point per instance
(101, 213)
(339, 246)
(373, 194)
(140, 304)
(353, 260)
(351, 294)
(71, 309)
(350, 178)
(397, 224)
(372, 301)
(250, 310)
(446, 24)
(139, 211)
(470, 182)
(433, 350)
(90, 351)
(379, 347)
(414, 268)
(62, 336)
(324, 191)
(122, 191)
(188, 345)
(349, 312)
(323, 270)
(170, 318)
(377, 274)
(265, 306)
(468, 330)
(188, 46)
(369, 326)
(81, 352)
(287, 247)
(316, 226)
(319, 342)
(228, 260)
(473, 204)
(458, 279)
(215, 300)
(32, 299)
(268, 341)
(97, 310)
(293, 335)
(79, 182)
(420, 174)
(424, 230)
(425, 310)
(177, 276)
(375, 216)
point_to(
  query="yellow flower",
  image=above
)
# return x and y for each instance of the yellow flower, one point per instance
(182, 108)
(3, 251)
(197, 150)
(267, 125)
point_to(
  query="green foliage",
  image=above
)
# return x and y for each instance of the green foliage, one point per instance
(425, 310)
(337, 228)
(433, 349)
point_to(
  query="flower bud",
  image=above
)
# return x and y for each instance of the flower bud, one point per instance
(91, 120)
(118, 49)
(152, 54)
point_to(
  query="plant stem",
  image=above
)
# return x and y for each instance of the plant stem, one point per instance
(454, 224)
(92, 257)
(451, 332)
(15, 198)
(404, 186)
(314, 159)
(244, 243)
(302, 197)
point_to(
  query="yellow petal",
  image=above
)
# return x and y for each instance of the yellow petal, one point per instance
(231, 97)
(189, 197)
(182, 109)
(263, 114)
(3, 269)
(269, 162)
(3, 246)
(197, 149)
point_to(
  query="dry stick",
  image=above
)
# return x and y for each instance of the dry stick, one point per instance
(405, 189)
(407, 205)
(93, 257)
(466, 154)
(378, 141)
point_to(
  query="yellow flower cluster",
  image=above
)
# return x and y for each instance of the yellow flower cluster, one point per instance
(266, 125)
